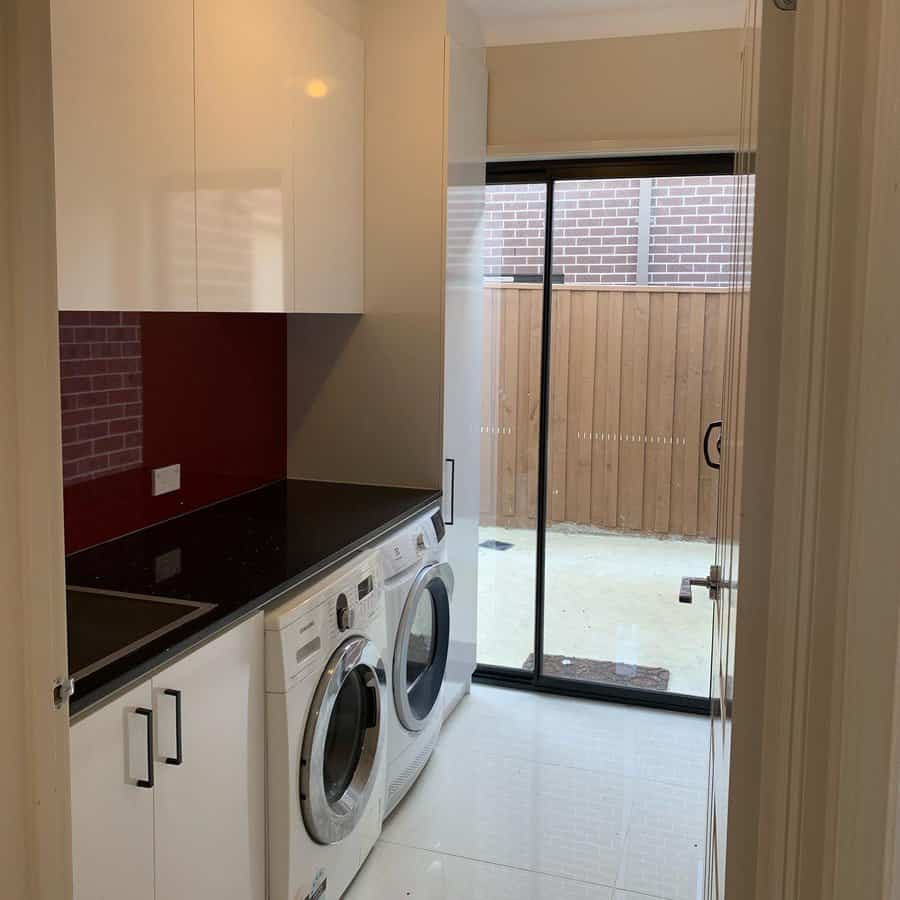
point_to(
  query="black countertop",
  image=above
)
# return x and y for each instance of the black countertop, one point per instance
(238, 555)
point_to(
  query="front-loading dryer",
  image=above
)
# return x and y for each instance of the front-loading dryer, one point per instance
(326, 720)
(418, 593)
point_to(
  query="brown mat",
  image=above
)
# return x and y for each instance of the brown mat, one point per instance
(602, 672)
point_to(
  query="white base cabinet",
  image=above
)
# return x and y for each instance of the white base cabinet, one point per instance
(184, 816)
(112, 818)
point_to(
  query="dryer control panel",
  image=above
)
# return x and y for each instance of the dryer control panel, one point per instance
(410, 546)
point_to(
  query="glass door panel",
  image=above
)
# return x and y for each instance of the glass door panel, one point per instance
(638, 337)
(511, 390)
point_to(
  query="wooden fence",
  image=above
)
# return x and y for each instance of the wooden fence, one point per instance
(636, 375)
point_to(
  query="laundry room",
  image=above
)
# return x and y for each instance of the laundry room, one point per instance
(399, 363)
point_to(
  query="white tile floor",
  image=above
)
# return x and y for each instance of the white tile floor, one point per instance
(532, 797)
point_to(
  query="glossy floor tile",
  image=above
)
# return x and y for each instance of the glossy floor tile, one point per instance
(394, 872)
(535, 796)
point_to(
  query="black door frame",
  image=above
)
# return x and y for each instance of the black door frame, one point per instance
(548, 172)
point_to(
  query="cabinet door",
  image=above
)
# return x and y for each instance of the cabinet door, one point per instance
(210, 809)
(328, 164)
(112, 817)
(244, 161)
(467, 126)
(123, 101)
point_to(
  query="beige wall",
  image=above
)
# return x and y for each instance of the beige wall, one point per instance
(663, 92)
(365, 401)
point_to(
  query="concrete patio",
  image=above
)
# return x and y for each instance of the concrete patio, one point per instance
(609, 596)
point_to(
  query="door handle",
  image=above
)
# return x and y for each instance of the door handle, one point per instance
(710, 429)
(178, 759)
(148, 781)
(451, 463)
(712, 582)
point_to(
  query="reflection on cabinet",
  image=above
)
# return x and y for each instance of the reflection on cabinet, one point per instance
(328, 164)
(184, 816)
(214, 802)
(124, 145)
(209, 155)
(244, 156)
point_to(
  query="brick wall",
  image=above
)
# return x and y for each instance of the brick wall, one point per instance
(102, 396)
(596, 231)
(692, 230)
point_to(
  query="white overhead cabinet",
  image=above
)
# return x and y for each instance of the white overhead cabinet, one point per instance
(209, 155)
(123, 101)
(168, 781)
(329, 109)
(245, 203)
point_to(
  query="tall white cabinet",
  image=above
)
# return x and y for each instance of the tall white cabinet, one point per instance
(464, 300)
(123, 102)
(152, 821)
(209, 154)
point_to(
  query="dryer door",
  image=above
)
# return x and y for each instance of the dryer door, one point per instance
(343, 742)
(423, 641)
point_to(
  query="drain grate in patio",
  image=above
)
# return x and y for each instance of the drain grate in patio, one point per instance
(496, 545)
(602, 671)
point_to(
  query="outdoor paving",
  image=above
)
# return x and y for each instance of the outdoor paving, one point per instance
(609, 597)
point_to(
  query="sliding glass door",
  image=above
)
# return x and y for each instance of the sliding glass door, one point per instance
(511, 389)
(602, 378)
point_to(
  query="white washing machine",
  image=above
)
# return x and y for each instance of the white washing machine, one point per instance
(327, 720)
(418, 593)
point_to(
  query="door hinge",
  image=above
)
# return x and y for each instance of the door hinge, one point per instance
(63, 690)
(786, 5)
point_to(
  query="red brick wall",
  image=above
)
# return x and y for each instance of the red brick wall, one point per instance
(596, 231)
(102, 393)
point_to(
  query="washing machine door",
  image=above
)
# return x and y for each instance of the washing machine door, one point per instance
(343, 742)
(422, 644)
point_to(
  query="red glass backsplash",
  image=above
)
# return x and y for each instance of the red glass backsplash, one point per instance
(144, 390)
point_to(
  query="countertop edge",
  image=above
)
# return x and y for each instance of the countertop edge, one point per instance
(82, 706)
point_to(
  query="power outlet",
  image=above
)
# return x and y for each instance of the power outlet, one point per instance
(166, 480)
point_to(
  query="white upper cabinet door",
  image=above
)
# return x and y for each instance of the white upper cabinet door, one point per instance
(329, 130)
(112, 814)
(123, 97)
(210, 799)
(244, 161)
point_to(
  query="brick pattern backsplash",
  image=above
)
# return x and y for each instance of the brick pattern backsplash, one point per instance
(596, 231)
(102, 393)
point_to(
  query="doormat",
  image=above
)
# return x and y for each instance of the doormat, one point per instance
(603, 672)
(496, 545)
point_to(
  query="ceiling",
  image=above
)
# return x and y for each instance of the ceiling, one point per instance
(536, 21)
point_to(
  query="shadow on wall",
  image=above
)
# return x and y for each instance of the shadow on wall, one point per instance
(316, 342)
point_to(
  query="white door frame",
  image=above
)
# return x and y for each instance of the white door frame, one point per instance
(812, 816)
(35, 834)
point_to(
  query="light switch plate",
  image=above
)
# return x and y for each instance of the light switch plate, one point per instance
(166, 480)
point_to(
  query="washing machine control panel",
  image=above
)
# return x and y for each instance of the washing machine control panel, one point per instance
(356, 604)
